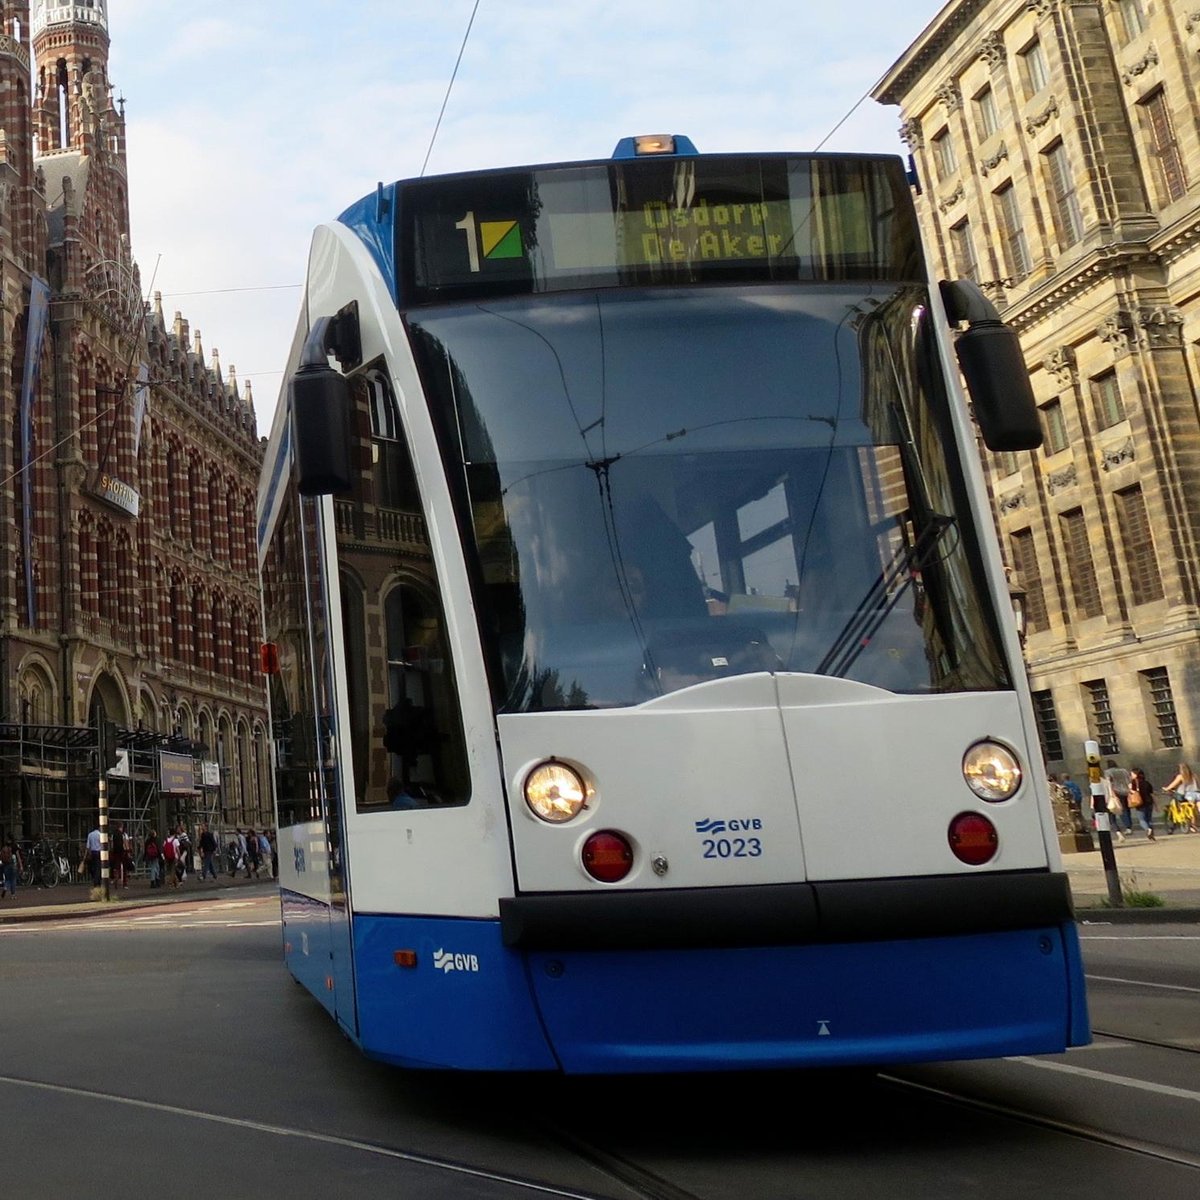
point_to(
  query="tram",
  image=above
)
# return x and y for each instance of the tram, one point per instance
(645, 693)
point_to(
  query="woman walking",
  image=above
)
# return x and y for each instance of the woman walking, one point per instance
(1141, 800)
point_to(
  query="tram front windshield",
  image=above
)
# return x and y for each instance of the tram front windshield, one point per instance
(672, 486)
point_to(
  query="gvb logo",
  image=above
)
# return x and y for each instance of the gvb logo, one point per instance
(446, 962)
(733, 825)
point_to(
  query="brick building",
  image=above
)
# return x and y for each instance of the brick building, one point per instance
(128, 584)
(1058, 143)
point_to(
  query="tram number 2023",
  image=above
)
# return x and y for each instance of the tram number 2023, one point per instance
(732, 848)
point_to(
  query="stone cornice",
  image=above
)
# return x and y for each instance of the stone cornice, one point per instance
(1182, 236)
(940, 38)
(1100, 265)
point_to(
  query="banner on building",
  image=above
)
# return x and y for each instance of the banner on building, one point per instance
(141, 400)
(175, 773)
(35, 336)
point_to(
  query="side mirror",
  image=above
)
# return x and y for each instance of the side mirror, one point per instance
(319, 398)
(320, 403)
(989, 355)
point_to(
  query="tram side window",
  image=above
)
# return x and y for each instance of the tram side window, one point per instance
(300, 765)
(406, 731)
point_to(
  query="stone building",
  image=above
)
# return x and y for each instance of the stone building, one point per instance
(128, 575)
(1058, 145)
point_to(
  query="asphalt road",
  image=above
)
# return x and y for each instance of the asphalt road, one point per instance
(166, 1051)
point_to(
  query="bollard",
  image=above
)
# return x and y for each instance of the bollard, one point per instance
(1103, 822)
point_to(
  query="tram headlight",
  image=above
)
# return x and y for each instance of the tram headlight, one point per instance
(992, 771)
(555, 792)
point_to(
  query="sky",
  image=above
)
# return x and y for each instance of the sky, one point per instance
(251, 122)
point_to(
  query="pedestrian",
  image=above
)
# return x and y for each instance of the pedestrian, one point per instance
(150, 852)
(1141, 800)
(1186, 787)
(93, 855)
(274, 855)
(117, 856)
(264, 848)
(1118, 782)
(1074, 791)
(183, 852)
(170, 855)
(252, 860)
(243, 853)
(8, 869)
(208, 853)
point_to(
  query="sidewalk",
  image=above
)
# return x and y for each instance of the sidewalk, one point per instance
(75, 899)
(1168, 867)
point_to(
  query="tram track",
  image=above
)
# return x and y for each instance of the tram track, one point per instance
(1182, 1047)
(1085, 1132)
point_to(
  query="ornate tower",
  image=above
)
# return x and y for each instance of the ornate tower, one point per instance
(70, 46)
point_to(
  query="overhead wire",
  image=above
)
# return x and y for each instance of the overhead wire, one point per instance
(449, 87)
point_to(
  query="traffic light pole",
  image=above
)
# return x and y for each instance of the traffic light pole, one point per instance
(106, 756)
(102, 798)
(1103, 822)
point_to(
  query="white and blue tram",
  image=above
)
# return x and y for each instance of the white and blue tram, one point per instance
(644, 688)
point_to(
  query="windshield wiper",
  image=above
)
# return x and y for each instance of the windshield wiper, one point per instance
(881, 597)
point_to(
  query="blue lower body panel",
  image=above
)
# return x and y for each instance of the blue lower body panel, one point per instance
(860, 1003)
(436, 992)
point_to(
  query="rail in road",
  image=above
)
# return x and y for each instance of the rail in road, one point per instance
(1120, 1116)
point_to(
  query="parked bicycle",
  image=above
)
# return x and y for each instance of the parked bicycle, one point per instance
(43, 864)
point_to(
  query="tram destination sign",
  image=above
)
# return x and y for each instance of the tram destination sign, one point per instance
(656, 222)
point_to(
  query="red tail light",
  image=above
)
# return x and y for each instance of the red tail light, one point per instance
(973, 838)
(607, 856)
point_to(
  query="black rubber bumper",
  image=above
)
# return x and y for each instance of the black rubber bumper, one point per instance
(787, 914)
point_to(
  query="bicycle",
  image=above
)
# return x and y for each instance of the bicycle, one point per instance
(42, 864)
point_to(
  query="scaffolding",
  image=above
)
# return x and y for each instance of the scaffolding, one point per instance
(48, 788)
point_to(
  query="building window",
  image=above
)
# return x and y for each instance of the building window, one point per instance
(1103, 729)
(1158, 689)
(1078, 553)
(1107, 397)
(1033, 67)
(965, 262)
(985, 114)
(1166, 149)
(1008, 462)
(1054, 426)
(1141, 565)
(1025, 563)
(1049, 733)
(1133, 18)
(1068, 217)
(1016, 249)
(944, 158)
